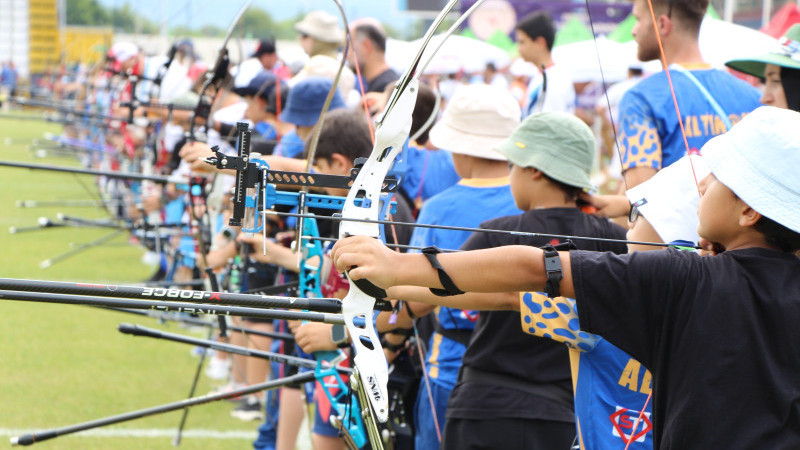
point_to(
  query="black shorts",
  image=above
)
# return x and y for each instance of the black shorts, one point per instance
(507, 434)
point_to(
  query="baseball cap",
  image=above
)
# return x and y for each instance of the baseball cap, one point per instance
(265, 47)
(669, 199)
(121, 52)
(263, 85)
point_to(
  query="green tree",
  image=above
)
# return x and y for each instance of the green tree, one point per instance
(124, 19)
(86, 12)
(257, 23)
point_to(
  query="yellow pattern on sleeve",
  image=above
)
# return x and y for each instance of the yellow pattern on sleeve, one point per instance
(555, 319)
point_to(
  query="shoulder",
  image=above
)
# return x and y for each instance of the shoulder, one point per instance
(511, 222)
(480, 240)
(644, 97)
(650, 264)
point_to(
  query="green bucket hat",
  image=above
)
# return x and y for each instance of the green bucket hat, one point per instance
(557, 143)
(787, 55)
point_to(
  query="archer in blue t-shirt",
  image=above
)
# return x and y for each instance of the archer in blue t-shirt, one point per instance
(650, 135)
(429, 173)
(291, 145)
(466, 204)
(612, 390)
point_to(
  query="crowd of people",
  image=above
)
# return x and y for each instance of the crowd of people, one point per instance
(559, 328)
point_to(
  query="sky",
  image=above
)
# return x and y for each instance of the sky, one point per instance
(221, 13)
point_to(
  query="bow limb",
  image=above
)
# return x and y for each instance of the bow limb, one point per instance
(217, 73)
(371, 370)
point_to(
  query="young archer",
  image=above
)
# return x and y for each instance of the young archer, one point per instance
(718, 333)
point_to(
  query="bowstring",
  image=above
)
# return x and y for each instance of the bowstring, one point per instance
(672, 92)
(665, 67)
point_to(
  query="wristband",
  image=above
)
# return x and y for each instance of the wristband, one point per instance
(339, 336)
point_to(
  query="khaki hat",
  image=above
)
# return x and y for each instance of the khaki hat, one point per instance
(557, 143)
(787, 55)
(321, 26)
(476, 120)
(758, 160)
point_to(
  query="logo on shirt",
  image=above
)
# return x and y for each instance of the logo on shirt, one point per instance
(624, 420)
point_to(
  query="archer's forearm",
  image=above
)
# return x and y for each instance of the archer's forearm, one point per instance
(470, 300)
(504, 269)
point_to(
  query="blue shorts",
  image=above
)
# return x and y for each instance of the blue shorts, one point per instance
(425, 437)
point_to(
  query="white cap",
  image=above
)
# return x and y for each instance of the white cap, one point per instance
(759, 160)
(669, 200)
(123, 51)
(477, 119)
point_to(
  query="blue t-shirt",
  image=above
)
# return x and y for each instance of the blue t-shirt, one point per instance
(650, 135)
(266, 130)
(429, 172)
(611, 388)
(290, 146)
(466, 204)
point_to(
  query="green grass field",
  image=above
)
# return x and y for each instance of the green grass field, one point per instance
(61, 365)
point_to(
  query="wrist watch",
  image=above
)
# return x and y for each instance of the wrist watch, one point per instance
(339, 336)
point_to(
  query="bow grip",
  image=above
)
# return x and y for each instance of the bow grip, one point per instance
(368, 287)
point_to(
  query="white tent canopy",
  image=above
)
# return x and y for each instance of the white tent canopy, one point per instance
(459, 53)
(719, 42)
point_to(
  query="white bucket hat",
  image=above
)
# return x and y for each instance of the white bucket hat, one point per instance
(670, 198)
(321, 26)
(759, 160)
(477, 119)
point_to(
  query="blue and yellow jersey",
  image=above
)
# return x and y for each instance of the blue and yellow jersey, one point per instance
(468, 203)
(650, 135)
(612, 390)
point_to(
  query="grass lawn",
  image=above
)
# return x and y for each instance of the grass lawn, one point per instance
(61, 365)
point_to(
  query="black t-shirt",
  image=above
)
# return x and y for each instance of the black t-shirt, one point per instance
(720, 334)
(379, 83)
(498, 344)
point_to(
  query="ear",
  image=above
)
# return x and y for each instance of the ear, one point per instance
(665, 25)
(340, 163)
(535, 173)
(749, 217)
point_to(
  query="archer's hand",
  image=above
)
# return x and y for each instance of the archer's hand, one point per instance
(195, 153)
(314, 336)
(608, 205)
(709, 248)
(368, 258)
(268, 251)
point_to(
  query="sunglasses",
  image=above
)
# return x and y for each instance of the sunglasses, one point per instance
(634, 213)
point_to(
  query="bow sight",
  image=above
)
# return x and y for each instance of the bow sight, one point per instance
(254, 175)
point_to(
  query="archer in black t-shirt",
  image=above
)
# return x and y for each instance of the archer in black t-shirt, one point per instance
(719, 333)
(511, 374)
